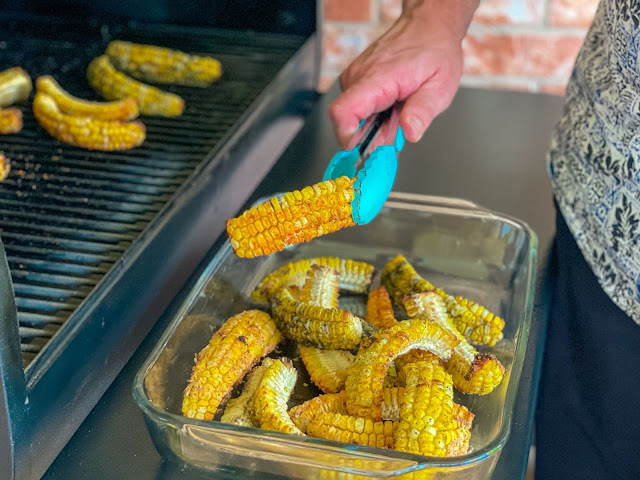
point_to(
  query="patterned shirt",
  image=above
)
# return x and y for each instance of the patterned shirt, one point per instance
(594, 159)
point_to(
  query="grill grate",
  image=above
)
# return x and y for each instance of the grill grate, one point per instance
(67, 214)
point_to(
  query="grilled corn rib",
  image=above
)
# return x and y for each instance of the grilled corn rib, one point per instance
(302, 414)
(364, 385)
(379, 309)
(163, 65)
(10, 120)
(472, 372)
(327, 368)
(241, 410)
(329, 328)
(353, 276)
(321, 287)
(113, 85)
(416, 356)
(126, 109)
(478, 325)
(272, 396)
(296, 217)
(349, 429)
(85, 132)
(232, 351)
(15, 86)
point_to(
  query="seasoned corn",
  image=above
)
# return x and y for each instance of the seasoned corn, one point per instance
(349, 429)
(113, 85)
(379, 309)
(126, 109)
(327, 368)
(328, 328)
(163, 65)
(241, 410)
(302, 414)
(10, 120)
(296, 217)
(321, 287)
(272, 396)
(416, 356)
(232, 351)
(85, 132)
(15, 86)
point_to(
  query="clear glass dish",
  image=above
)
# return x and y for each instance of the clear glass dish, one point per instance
(464, 249)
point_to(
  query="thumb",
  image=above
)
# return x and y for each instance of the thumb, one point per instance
(421, 108)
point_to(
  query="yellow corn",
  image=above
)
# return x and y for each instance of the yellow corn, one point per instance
(296, 217)
(163, 65)
(426, 412)
(364, 385)
(478, 325)
(113, 85)
(272, 396)
(416, 356)
(302, 414)
(391, 401)
(10, 120)
(328, 328)
(379, 309)
(353, 276)
(126, 109)
(463, 416)
(327, 368)
(15, 86)
(472, 372)
(86, 132)
(241, 410)
(349, 429)
(232, 351)
(321, 287)
(5, 167)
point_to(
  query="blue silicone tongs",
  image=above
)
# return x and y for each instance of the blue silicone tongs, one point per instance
(375, 179)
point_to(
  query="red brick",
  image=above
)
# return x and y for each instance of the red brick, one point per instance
(347, 10)
(521, 54)
(510, 12)
(572, 13)
(342, 43)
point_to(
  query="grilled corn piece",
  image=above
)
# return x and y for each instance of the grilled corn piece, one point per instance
(463, 416)
(426, 413)
(296, 217)
(327, 368)
(415, 356)
(302, 414)
(232, 351)
(379, 309)
(353, 276)
(241, 410)
(478, 325)
(126, 109)
(163, 65)
(472, 372)
(272, 396)
(321, 287)
(349, 429)
(113, 85)
(10, 121)
(15, 86)
(364, 385)
(85, 132)
(328, 328)
(5, 167)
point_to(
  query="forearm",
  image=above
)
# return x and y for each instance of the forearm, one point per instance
(454, 15)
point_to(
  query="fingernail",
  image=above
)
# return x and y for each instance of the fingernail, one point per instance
(416, 127)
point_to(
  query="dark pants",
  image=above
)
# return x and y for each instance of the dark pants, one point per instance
(588, 417)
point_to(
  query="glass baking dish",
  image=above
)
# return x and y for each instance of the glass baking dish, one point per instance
(465, 249)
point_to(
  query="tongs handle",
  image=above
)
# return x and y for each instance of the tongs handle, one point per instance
(367, 133)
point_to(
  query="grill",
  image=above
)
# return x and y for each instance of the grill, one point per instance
(67, 216)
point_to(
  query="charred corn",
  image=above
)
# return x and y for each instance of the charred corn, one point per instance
(113, 85)
(272, 395)
(10, 121)
(328, 328)
(15, 86)
(86, 132)
(353, 276)
(302, 414)
(126, 109)
(478, 325)
(349, 429)
(327, 368)
(364, 385)
(416, 356)
(379, 309)
(472, 372)
(463, 416)
(5, 167)
(321, 287)
(232, 351)
(163, 65)
(241, 410)
(296, 217)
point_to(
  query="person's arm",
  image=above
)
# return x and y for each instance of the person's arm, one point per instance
(418, 61)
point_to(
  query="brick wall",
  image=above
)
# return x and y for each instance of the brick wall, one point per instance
(512, 44)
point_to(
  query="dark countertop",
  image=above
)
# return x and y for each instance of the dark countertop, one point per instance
(489, 147)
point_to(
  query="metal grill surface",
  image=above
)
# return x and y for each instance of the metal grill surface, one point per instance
(67, 215)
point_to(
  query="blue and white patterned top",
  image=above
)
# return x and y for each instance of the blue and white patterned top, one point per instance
(594, 159)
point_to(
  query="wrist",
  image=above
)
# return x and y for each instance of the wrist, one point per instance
(453, 16)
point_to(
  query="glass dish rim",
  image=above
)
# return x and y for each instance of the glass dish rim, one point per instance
(407, 201)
